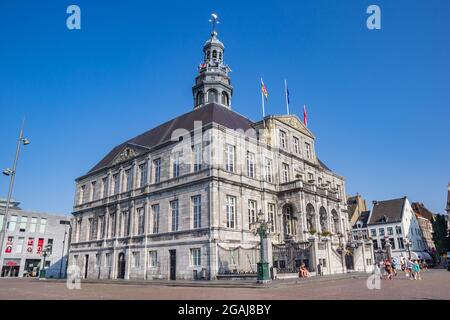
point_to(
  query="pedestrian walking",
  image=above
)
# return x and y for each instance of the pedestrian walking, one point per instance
(388, 268)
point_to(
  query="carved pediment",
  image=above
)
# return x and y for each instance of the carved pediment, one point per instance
(126, 154)
(294, 122)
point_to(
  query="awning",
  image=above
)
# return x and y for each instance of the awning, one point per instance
(420, 255)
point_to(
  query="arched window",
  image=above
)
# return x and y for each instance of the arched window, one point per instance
(323, 219)
(220, 56)
(212, 96)
(225, 99)
(208, 55)
(199, 99)
(214, 54)
(310, 217)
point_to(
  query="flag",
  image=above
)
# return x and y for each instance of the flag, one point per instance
(305, 116)
(264, 90)
(287, 95)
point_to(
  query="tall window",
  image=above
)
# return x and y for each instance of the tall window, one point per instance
(116, 179)
(112, 224)
(155, 218)
(141, 220)
(23, 224)
(195, 257)
(197, 157)
(125, 221)
(19, 246)
(225, 99)
(174, 211)
(33, 224)
(282, 139)
(288, 221)
(212, 96)
(401, 245)
(81, 194)
(157, 170)
(143, 175)
(176, 164)
(285, 172)
(268, 169)
(12, 223)
(272, 217)
(250, 164)
(43, 225)
(104, 187)
(230, 157)
(93, 195)
(101, 225)
(308, 150)
(251, 212)
(296, 144)
(200, 98)
(381, 232)
(231, 211)
(398, 229)
(136, 259)
(128, 183)
(390, 231)
(153, 257)
(197, 211)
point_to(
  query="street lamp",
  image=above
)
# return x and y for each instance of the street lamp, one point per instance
(408, 246)
(11, 173)
(262, 227)
(46, 252)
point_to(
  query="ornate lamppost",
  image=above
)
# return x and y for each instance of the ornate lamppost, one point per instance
(262, 227)
(45, 253)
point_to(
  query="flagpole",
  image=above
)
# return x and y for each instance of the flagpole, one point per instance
(286, 96)
(262, 100)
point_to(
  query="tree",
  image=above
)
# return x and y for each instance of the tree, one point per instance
(441, 237)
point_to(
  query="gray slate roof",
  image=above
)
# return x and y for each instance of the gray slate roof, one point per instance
(211, 113)
(388, 211)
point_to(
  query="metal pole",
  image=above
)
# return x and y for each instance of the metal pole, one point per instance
(68, 248)
(10, 190)
(62, 254)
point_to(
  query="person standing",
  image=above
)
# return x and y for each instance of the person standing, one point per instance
(409, 269)
(416, 267)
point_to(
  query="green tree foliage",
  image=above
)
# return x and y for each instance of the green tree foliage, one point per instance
(440, 235)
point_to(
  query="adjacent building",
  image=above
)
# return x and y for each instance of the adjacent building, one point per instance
(356, 206)
(359, 229)
(28, 235)
(425, 219)
(181, 200)
(448, 205)
(395, 230)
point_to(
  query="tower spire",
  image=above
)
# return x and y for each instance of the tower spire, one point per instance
(212, 84)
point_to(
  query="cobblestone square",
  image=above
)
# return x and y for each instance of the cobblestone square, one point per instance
(435, 284)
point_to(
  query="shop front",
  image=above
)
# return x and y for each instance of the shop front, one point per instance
(10, 268)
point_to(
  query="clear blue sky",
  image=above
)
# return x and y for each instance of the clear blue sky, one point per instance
(378, 101)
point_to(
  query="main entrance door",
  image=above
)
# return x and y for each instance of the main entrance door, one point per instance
(349, 261)
(173, 264)
(121, 267)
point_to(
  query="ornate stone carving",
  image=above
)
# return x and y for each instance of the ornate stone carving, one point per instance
(295, 123)
(126, 154)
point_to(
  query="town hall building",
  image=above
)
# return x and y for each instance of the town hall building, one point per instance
(181, 200)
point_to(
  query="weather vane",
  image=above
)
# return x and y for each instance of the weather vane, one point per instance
(214, 21)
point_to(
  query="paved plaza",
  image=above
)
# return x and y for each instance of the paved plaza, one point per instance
(435, 284)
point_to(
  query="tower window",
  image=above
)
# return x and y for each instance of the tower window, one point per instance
(220, 56)
(200, 98)
(225, 99)
(214, 54)
(208, 55)
(212, 96)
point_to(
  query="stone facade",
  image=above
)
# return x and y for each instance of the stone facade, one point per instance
(180, 201)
